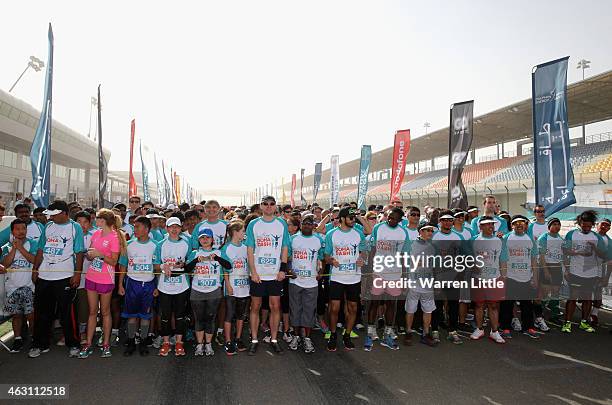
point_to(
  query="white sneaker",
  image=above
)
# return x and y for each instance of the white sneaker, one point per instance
(469, 317)
(516, 325)
(359, 326)
(540, 323)
(372, 332)
(74, 352)
(199, 351)
(157, 342)
(308, 346)
(208, 349)
(496, 337)
(393, 334)
(477, 334)
(295, 343)
(435, 335)
(288, 337)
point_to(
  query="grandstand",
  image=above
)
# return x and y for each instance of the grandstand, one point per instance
(508, 174)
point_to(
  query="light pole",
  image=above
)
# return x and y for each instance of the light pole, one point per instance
(35, 64)
(426, 125)
(94, 103)
(583, 64)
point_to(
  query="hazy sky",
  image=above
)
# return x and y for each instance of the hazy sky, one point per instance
(238, 93)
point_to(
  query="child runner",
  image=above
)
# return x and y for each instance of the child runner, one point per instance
(84, 219)
(551, 258)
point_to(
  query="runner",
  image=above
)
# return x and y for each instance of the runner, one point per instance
(142, 258)
(60, 252)
(489, 208)
(520, 252)
(602, 229)
(34, 229)
(84, 220)
(538, 227)
(107, 243)
(582, 269)
(414, 215)
(345, 250)
(489, 248)
(267, 242)
(134, 202)
(17, 259)
(420, 292)
(306, 254)
(206, 265)
(551, 258)
(237, 299)
(173, 287)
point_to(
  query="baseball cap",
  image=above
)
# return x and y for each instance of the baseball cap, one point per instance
(268, 198)
(346, 211)
(172, 206)
(424, 225)
(606, 220)
(205, 232)
(308, 218)
(174, 221)
(485, 219)
(56, 207)
(519, 217)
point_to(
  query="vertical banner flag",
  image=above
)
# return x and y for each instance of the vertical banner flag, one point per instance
(177, 185)
(554, 177)
(102, 165)
(284, 196)
(302, 199)
(132, 189)
(40, 153)
(145, 175)
(401, 147)
(160, 196)
(459, 144)
(364, 171)
(334, 179)
(293, 181)
(173, 187)
(316, 180)
(167, 196)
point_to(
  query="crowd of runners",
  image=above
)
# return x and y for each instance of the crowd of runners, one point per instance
(232, 277)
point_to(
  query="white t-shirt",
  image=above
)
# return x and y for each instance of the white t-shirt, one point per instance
(267, 238)
(413, 233)
(219, 227)
(535, 230)
(389, 241)
(551, 246)
(465, 232)
(22, 277)
(129, 231)
(239, 277)
(86, 262)
(490, 250)
(172, 252)
(422, 273)
(345, 246)
(141, 259)
(207, 275)
(59, 244)
(305, 252)
(518, 250)
(580, 265)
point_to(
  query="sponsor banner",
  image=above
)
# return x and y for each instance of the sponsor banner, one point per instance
(334, 179)
(459, 143)
(317, 180)
(102, 164)
(133, 189)
(145, 175)
(293, 181)
(302, 199)
(554, 177)
(364, 171)
(401, 147)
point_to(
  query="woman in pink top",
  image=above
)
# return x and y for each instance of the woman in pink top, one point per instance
(106, 245)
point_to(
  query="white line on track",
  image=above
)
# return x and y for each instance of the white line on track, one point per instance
(315, 372)
(363, 398)
(489, 400)
(606, 401)
(270, 353)
(570, 358)
(566, 400)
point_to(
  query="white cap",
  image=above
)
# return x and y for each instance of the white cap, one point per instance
(172, 206)
(173, 221)
(447, 216)
(52, 212)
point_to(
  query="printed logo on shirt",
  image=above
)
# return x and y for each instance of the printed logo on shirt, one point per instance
(268, 240)
(306, 254)
(350, 250)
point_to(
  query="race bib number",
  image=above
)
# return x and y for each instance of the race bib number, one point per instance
(207, 282)
(55, 251)
(173, 279)
(20, 264)
(96, 264)
(303, 273)
(519, 266)
(347, 267)
(142, 268)
(266, 261)
(241, 282)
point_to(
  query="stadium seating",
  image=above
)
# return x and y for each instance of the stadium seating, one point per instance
(473, 174)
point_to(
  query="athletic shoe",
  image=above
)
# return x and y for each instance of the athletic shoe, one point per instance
(332, 342)
(516, 324)
(253, 348)
(142, 348)
(359, 326)
(348, 343)
(389, 342)
(478, 334)
(531, 333)
(317, 325)
(372, 334)
(354, 335)
(368, 343)
(540, 323)
(496, 337)
(199, 351)
(295, 343)
(85, 352)
(594, 321)
(408, 339)
(131, 347)
(230, 349)
(267, 336)
(17, 345)
(276, 347)
(114, 340)
(389, 331)
(148, 341)
(287, 337)
(506, 334)
(208, 350)
(220, 339)
(469, 317)
(179, 350)
(435, 336)
(308, 346)
(327, 335)
(158, 341)
(165, 349)
(61, 342)
(454, 338)
(74, 352)
(239, 345)
(428, 340)
(567, 327)
(106, 352)
(465, 327)
(37, 351)
(100, 340)
(586, 327)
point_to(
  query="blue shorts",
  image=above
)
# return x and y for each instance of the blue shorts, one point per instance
(138, 299)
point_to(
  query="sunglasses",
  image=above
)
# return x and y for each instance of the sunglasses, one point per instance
(268, 204)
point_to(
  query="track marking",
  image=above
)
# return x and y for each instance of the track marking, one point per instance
(489, 400)
(566, 400)
(402, 391)
(570, 358)
(270, 353)
(606, 401)
(315, 372)
(363, 398)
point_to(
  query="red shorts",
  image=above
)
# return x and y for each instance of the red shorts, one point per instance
(488, 294)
